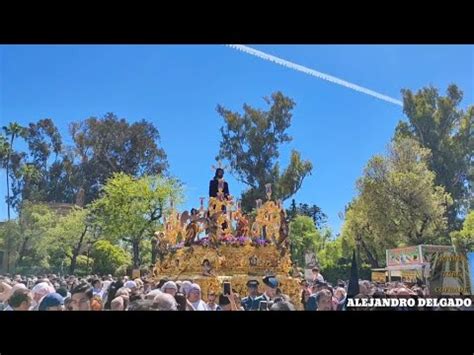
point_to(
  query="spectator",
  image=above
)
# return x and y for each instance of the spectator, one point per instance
(185, 287)
(237, 301)
(324, 301)
(96, 303)
(81, 297)
(211, 301)
(181, 301)
(224, 303)
(111, 293)
(340, 295)
(165, 302)
(142, 305)
(121, 300)
(227, 303)
(152, 294)
(194, 298)
(170, 287)
(282, 306)
(97, 288)
(20, 300)
(312, 304)
(316, 275)
(146, 286)
(305, 292)
(134, 290)
(52, 302)
(117, 304)
(132, 286)
(161, 283)
(40, 290)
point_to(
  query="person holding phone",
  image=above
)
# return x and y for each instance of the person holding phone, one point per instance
(227, 303)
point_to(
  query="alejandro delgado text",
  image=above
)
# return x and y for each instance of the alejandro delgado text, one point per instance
(409, 302)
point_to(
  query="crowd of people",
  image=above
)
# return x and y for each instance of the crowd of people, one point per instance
(71, 293)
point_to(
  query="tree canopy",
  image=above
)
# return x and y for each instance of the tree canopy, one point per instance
(251, 142)
(438, 123)
(398, 203)
(130, 208)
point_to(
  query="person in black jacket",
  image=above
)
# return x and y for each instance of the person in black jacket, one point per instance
(214, 183)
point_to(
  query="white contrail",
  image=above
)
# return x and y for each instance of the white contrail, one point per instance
(314, 73)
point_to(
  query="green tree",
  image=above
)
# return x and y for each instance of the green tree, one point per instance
(398, 203)
(13, 130)
(331, 254)
(84, 265)
(439, 124)
(130, 208)
(304, 237)
(303, 209)
(30, 167)
(4, 150)
(35, 220)
(108, 257)
(69, 237)
(251, 141)
(10, 241)
(23, 238)
(464, 239)
(49, 171)
(110, 145)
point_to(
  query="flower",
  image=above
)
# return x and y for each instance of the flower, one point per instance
(204, 241)
(261, 241)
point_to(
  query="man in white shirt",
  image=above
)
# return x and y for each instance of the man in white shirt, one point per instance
(97, 289)
(316, 275)
(211, 301)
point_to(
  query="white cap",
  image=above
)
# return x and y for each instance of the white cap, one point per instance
(130, 284)
(43, 289)
(169, 284)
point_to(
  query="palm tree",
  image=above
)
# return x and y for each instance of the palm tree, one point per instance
(13, 130)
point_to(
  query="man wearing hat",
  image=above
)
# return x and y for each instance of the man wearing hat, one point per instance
(271, 285)
(52, 302)
(250, 302)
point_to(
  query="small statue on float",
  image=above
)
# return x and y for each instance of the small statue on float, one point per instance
(207, 268)
(283, 242)
(192, 229)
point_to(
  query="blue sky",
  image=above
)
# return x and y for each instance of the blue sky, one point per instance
(178, 88)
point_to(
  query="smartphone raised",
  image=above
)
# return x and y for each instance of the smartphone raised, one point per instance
(263, 306)
(227, 289)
